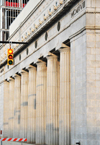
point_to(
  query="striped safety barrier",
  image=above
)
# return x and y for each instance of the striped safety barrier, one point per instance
(13, 139)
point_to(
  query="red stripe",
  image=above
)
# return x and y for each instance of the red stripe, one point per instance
(4, 139)
(25, 139)
(9, 139)
(15, 139)
(20, 139)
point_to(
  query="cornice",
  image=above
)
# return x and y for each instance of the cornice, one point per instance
(42, 27)
(31, 13)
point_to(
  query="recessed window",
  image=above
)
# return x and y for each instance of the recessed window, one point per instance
(58, 26)
(14, 62)
(35, 44)
(50, 10)
(56, 3)
(27, 51)
(46, 36)
(19, 56)
(7, 66)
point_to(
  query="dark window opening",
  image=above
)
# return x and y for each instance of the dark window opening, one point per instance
(46, 36)
(35, 44)
(27, 51)
(10, 17)
(58, 26)
(19, 56)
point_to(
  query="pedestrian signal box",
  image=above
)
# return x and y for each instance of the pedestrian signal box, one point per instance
(10, 60)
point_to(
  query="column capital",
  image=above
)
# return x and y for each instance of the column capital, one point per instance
(51, 55)
(64, 48)
(40, 62)
(30, 67)
(6, 80)
(23, 71)
(11, 78)
(17, 75)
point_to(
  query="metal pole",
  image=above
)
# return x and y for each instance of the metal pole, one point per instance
(13, 42)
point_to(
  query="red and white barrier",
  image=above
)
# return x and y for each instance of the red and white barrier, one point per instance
(13, 139)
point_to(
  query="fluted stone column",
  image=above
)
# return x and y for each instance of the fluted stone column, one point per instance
(31, 137)
(24, 104)
(17, 101)
(64, 116)
(11, 107)
(52, 126)
(41, 94)
(5, 108)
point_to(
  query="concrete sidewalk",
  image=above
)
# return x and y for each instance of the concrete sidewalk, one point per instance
(14, 143)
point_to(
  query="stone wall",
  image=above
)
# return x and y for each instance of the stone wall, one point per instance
(78, 88)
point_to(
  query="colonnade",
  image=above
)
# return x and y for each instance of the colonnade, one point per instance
(37, 101)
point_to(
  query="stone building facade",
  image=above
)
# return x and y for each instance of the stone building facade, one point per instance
(51, 94)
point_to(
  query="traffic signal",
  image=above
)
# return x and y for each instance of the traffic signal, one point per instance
(10, 57)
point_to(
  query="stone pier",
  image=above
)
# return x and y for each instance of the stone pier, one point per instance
(17, 102)
(31, 134)
(41, 95)
(64, 113)
(52, 126)
(24, 104)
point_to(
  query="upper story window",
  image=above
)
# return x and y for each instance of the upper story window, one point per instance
(16, 3)
(12, 3)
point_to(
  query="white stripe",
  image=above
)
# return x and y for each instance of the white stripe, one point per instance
(12, 139)
(18, 139)
(23, 139)
(6, 139)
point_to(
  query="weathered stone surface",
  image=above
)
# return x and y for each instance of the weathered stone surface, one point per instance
(57, 121)
(41, 97)
(31, 130)
(24, 105)
(52, 106)
(17, 102)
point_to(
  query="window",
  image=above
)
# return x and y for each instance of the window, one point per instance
(58, 26)
(19, 56)
(14, 62)
(56, 3)
(46, 36)
(27, 51)
(10, 17)
(50, 10)
(7, 66)
(35, 44)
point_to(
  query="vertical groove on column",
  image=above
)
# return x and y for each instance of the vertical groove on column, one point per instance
(52, 127)
(11, 107)
(6, 107)
(41, 102)
(24, 104)
(32, 106)
(64, 116)
(17, 101)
